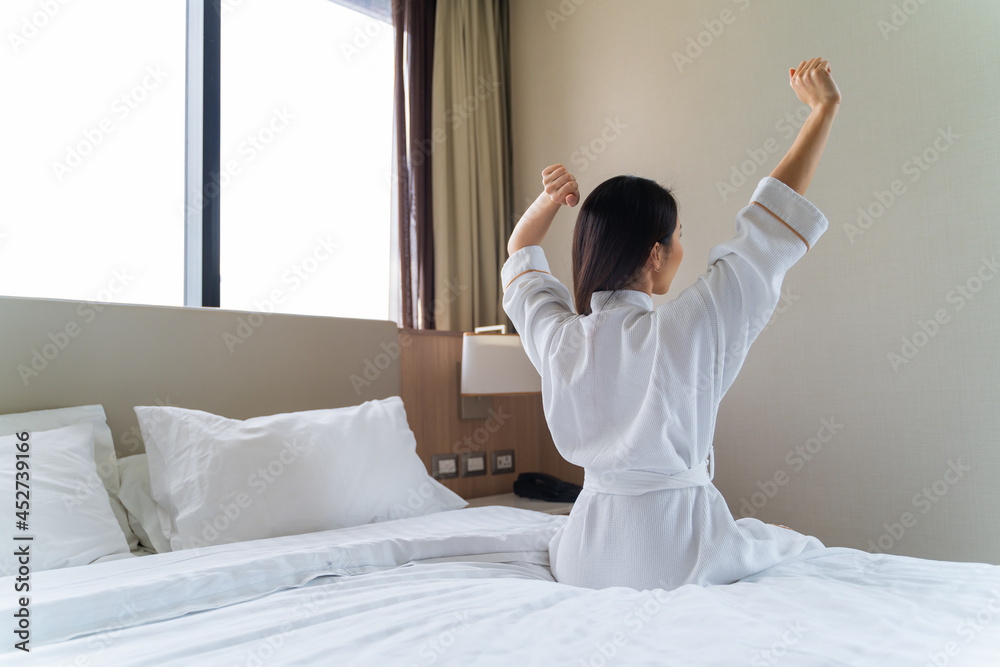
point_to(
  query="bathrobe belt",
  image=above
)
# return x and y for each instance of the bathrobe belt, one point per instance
(637, 482)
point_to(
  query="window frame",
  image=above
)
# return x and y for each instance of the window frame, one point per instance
(202, 124)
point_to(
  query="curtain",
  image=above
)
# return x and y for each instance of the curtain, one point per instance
(470, 141)
(413, 21)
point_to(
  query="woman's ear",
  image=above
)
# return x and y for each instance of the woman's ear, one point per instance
(655, 261)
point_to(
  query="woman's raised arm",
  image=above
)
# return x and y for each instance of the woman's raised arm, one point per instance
(559, 187)
(814, 85)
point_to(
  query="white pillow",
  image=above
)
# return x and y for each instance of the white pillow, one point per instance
(223, 480)
(104, 447)
(68, 512)
(143, 512)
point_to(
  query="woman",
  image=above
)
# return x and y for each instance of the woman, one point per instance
(631, 392)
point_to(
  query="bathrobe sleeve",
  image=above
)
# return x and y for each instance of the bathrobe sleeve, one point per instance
(743, 282)
(534, 300)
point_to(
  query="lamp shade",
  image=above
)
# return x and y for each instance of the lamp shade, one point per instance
(494, 364)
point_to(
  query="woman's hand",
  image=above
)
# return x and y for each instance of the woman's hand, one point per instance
(560, 185)
(813, 83)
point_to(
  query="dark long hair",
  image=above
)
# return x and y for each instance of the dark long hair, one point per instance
(618, 224)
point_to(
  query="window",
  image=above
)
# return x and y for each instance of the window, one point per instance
(93, 167)
(306, 154)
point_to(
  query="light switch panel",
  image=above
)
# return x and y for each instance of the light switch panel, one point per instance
(444, 466)
(473, 463)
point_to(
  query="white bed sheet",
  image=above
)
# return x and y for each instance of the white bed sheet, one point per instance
(433, 590)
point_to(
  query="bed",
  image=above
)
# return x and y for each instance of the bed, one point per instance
(417, 578)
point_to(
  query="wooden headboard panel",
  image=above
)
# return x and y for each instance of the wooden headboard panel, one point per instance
(232, 363)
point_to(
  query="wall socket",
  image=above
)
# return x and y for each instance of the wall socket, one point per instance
(502, 461)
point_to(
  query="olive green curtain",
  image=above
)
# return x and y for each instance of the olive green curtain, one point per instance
(471, 166)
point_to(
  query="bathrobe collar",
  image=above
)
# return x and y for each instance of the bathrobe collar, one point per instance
(608, 299)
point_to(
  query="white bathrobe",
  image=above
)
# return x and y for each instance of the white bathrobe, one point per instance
(631, 394)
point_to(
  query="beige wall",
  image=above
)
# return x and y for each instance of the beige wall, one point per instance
(609, 75)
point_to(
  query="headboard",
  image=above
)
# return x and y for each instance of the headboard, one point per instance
(237, 364)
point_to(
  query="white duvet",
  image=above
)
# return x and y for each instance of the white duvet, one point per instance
(472, 587)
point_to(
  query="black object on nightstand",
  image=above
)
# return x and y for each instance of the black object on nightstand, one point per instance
(540, 486)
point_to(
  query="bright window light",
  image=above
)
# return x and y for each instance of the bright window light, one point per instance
(306, 152)
(93, 150)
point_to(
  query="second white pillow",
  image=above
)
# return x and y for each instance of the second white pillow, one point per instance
(224, 480)
(144, 514)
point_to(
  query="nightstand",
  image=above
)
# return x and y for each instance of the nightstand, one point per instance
(514, 500)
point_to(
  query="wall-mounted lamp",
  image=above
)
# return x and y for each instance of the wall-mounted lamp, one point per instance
(493, 364)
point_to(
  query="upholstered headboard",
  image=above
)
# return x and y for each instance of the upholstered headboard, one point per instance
(232, 363)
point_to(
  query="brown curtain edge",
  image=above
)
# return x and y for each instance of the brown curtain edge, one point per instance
(413, 22)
